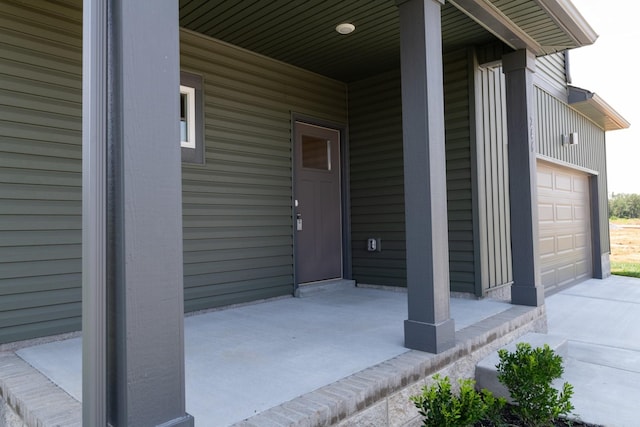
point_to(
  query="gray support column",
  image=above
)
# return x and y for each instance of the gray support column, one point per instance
(518, 68)
(132, 216)
(94, 221)
(429, 327)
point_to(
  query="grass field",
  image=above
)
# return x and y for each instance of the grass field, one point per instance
(625, 247)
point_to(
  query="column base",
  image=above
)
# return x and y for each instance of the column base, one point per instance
(429, 337)
(532, 296)
(185, 421)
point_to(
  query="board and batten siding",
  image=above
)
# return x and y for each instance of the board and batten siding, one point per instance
(554, 119)
(377, 179)
(377, 176)
(494, 220)
(237, 207)
(40, 169)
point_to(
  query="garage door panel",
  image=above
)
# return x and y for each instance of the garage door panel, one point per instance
(545, 212)
(583, 269)
(566, 274)
(545, 178)
(564, 225)
(580, 186)
(565, 243)
(582, 242)
(580, 212)
(547, 246)
(564, 212)
(563, 182)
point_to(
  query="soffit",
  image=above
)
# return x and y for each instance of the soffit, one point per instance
(302, 33)
(535, 21)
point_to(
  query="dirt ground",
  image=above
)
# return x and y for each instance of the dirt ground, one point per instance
(625, 240)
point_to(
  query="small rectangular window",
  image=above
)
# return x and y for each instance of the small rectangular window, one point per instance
(191, 118)
(187, 117)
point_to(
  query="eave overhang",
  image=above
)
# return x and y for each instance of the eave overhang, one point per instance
(567, 16)
(596, 109)
(561, 13)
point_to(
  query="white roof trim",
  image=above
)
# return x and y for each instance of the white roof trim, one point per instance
(567, 16)
(595, 108)
(562, 12)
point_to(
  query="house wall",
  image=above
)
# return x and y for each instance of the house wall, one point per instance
(377, 202)
(40, 169)
(554, 119)
(237, 206)
(377, 179)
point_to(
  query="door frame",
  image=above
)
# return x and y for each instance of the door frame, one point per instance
(345, 197)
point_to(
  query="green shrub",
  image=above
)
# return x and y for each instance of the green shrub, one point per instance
(441, 407)
(528, 374)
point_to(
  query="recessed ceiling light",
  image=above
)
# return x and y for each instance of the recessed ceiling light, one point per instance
(345, 28)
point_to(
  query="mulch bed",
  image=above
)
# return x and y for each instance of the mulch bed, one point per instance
(511, 420)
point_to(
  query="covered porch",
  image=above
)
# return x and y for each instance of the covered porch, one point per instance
(334, 356)
(132, 259)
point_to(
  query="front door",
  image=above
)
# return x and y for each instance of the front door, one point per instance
(318, 209)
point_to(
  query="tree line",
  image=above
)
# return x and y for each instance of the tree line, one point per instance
(624, 206)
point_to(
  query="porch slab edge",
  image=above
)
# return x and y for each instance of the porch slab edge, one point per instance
(29, 399)
(381, 392)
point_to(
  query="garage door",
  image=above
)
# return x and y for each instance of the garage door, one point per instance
(565, 225)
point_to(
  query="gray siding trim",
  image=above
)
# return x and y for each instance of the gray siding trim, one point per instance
(493, 179)
(554, 119)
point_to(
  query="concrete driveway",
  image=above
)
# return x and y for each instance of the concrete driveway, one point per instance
(601, 320)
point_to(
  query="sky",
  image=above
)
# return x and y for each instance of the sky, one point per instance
(609, 68)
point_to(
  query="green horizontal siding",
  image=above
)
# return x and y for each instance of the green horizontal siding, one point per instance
(40, 169)
(377, 179)
(237, 219)
(551, 75)
(457, 119)
(377, 176)
(237, 207)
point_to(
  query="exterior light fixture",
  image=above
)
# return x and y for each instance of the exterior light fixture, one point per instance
(345, 28)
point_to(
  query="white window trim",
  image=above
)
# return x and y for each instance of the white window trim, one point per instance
(191, 116)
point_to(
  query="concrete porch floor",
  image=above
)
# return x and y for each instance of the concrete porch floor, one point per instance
(242, 361)
(337, 358)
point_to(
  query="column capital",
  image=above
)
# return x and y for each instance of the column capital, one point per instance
(519, 60)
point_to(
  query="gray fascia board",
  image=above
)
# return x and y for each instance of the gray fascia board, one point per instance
(566, 15)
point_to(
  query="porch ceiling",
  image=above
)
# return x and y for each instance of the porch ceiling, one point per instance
(303, 33)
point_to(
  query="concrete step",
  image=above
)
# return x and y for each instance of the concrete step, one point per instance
(309, 289)
(487, 373)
